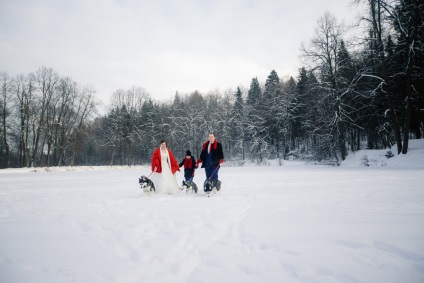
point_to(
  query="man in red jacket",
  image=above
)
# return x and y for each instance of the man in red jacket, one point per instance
(211, 158)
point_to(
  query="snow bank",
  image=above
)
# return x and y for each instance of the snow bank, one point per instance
(389, 157)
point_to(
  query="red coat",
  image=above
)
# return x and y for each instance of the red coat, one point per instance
(156, 161)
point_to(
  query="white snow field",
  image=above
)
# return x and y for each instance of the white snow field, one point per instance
(290, 223)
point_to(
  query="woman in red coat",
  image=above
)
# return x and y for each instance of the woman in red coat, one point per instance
(164, 165)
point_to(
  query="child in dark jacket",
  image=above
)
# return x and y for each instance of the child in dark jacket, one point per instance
(189, 166)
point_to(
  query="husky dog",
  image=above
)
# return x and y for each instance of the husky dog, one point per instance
(189, 186)
(146, 184)
(211, 185)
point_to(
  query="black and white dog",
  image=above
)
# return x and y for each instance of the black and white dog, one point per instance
(146, 184)
(211, 186)
(189, 186)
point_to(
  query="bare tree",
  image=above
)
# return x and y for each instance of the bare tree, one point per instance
(5, 106)
(85, 106)
(46, 81)
(323, 53)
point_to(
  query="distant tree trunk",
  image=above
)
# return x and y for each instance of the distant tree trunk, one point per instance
(113, 156)
(49, 147)
(61, 147)
(5, 94)
(73, 158)
(407, 125)
(342, 144)
(6, 144)
(395, 122)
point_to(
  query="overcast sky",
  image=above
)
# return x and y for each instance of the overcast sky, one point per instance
(163, 46)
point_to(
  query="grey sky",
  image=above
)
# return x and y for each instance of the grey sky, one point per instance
(163, 46)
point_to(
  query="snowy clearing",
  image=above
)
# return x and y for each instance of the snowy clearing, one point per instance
(290, 223)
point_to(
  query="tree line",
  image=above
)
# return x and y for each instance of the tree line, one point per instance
(349, 95)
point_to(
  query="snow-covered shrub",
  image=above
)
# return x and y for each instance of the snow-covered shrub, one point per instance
(389, 154)
(365, 161)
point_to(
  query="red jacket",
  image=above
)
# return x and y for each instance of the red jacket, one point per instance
(156, 161)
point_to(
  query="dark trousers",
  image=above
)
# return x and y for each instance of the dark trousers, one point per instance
(188, 174)
(210, 170)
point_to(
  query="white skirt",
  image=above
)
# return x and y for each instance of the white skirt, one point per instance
(165, 182)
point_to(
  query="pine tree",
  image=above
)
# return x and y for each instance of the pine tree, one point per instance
(237, 124)
(273, 110)
(254, 121)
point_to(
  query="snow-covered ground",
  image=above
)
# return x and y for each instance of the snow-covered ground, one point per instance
(290, 223)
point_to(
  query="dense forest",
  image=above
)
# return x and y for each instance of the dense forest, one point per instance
(349, 95)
